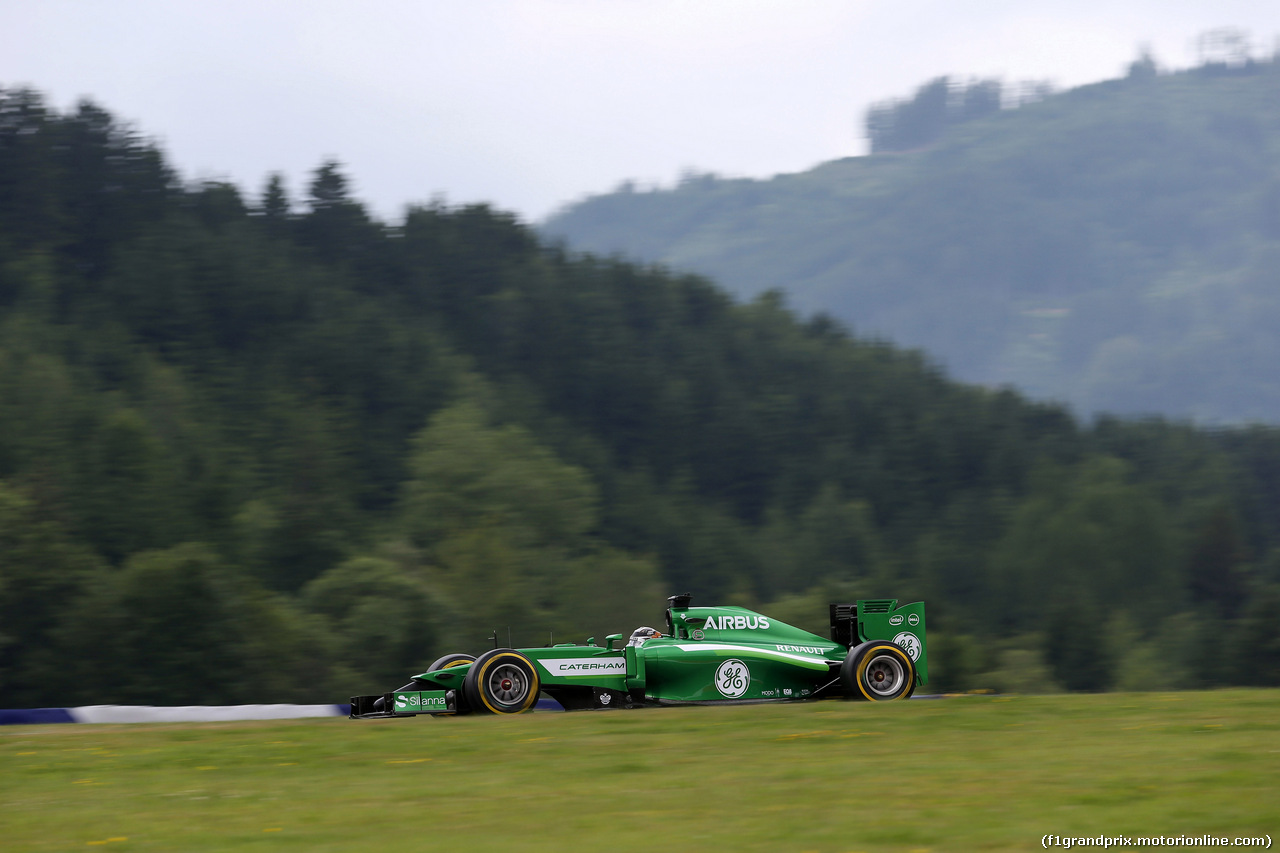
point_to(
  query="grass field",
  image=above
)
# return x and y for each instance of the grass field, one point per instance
(968, 773)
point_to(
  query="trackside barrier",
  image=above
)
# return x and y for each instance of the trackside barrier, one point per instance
(167, 714)
(35, 716)
(183, 713)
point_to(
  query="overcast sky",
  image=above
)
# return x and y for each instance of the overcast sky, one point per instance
(529, 104)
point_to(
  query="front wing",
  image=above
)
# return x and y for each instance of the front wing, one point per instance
(404, 703)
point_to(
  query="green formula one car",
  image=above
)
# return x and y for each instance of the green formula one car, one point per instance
(708, 655)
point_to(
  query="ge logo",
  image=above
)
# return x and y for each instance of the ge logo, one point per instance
(732, 679)
(910, 642)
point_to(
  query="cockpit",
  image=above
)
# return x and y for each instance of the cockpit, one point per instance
(640, 635)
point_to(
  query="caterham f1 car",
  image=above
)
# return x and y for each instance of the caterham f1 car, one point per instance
(707, 655)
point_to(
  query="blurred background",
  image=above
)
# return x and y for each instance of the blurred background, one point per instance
(775, 306)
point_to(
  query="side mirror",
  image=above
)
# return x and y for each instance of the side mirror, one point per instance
(609, 641)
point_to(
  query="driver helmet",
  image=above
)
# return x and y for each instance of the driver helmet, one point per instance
(639, 635)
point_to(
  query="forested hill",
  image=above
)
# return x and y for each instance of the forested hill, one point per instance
(1116, 246)
(272, 449)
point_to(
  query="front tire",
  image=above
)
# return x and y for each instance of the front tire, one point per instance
(446, 662)
(450, 661)
(878, 671)
(502, 681)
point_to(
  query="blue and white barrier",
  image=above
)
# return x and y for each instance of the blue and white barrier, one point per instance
(167, 714)
(184, 713)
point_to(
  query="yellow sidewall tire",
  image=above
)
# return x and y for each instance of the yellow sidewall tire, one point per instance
(873, 652)
(450, 661)
(477, 685)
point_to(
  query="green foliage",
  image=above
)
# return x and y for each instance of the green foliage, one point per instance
(508, 532)
(837, 539)
(466, 473)
(806, 610)
(384, 621)
(954, 660)
(1113, 246)
(902, 125)
(1097, 541)
(607, 592)
(1076, 648)
(179, 627)
(1145, 661)
(1018, 669)
(123, 500)
(1255, 646)
(42, 570)
(1215, 573)
(394, 439)
(275, 202)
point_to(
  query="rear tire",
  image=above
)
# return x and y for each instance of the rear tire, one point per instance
(878, 671)
(502, 681)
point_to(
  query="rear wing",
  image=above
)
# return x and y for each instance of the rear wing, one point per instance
(881, 619)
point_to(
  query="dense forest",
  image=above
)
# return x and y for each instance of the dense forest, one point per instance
(1115, 247)
(262, 449)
